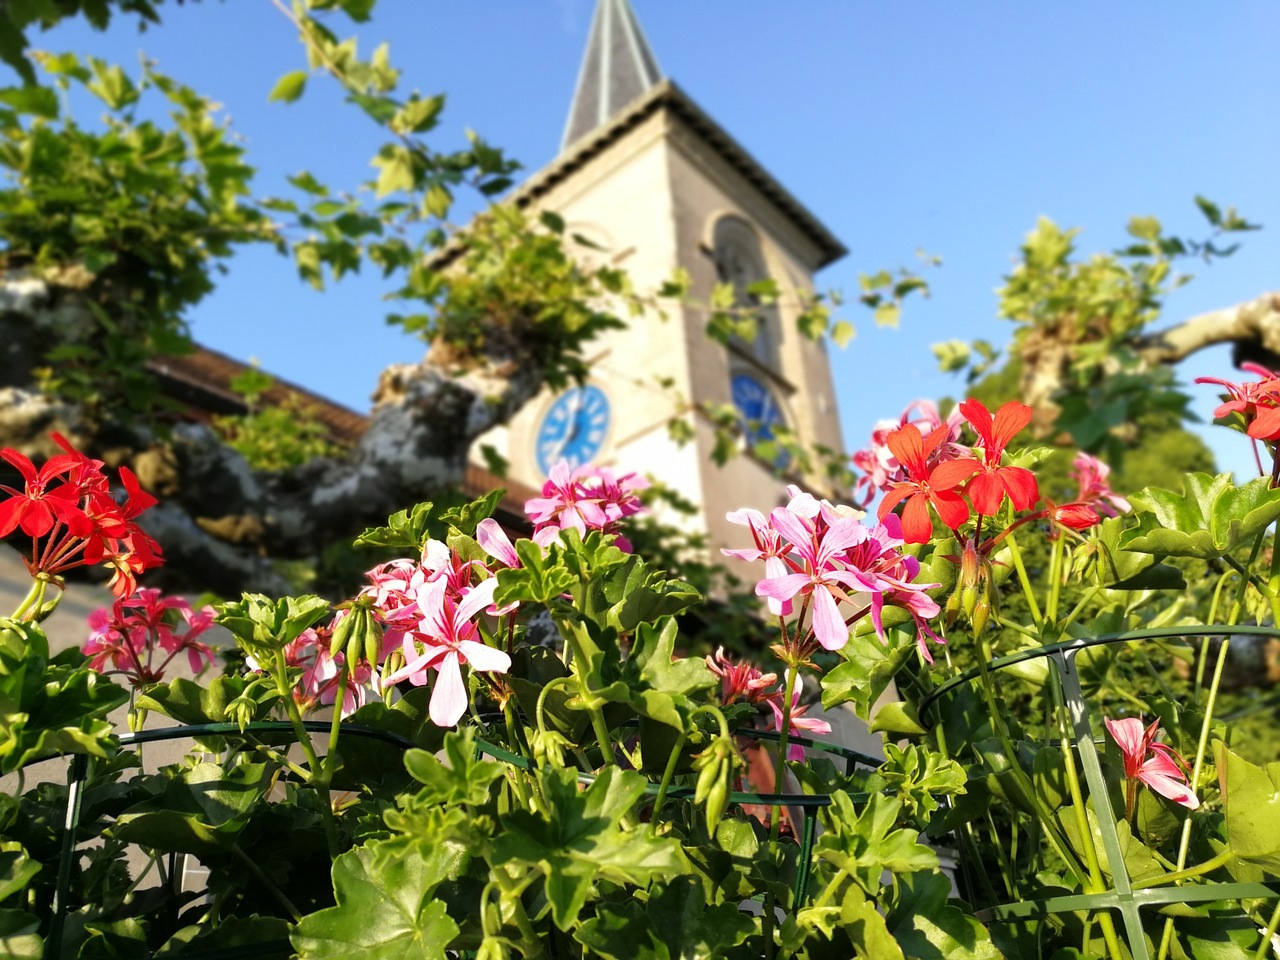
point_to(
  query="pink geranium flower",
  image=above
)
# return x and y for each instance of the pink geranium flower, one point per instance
(449, 638)
(130, 634)
(798, 724)
(1095, 489)
(740, 681)
(1150, 762)
(822, 576)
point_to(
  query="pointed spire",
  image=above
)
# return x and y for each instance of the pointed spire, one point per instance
(617, 68)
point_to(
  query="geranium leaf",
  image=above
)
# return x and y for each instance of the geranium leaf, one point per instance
(1209, 519)
(385, 911)
(676, 924)
(578, 839)
(925, 924)
(866, 842)
(1251, 795)
(460, 778)
(868, 669)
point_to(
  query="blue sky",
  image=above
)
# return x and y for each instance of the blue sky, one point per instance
(943, 127)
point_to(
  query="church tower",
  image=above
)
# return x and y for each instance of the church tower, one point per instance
(658, 185)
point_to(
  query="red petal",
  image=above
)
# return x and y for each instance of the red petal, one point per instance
(951, 473)
(916, 525)
(895, 495)
(1021, 484)
(1077, 516)
(1010, 419)
(21, 463)
(952, 509)
(979, 418)
(906, 445)
(987, 493)
(1267, 424)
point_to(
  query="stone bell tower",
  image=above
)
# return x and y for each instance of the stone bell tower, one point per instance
(658, 185)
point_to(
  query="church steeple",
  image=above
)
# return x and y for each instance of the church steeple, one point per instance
(617, 68)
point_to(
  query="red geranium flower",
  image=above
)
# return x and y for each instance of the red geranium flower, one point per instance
(36, 508)
(925, 484)
(990, 481)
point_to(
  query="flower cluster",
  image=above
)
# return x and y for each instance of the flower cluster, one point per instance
(136, 630)
(68, 505)
(879, 465)
(428, 611)
(588, 498)
(1257, 404)
(838, 567)
(744, 682)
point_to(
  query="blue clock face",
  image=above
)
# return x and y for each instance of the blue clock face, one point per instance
(759, 410)
(573, 429)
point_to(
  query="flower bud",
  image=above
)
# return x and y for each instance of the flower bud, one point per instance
(358, 634)
(981, 612)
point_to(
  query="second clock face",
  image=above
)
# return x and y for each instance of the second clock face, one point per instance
(573, 429)
(760, 411)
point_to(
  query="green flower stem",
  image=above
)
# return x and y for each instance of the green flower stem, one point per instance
(775, 815)
(267, 882)
(1199, 870)
(316, 771)
(34, 599)
(836, 882)
(1273, 582)
(517, 776)
(272, 754)
(331, 757)
(1016, 556)
(295, 717)
(1249, 577)
(1079, 608)
(1096, 883)
(1268, 933)
(667, 774)
(538, 715)
(1184, 841)
(1055, 579)
(602, 735)
(1051, 830)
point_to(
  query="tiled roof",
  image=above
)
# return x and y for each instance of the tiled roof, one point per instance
(202, 380)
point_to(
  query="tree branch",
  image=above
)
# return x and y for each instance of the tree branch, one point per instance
(1253, 322)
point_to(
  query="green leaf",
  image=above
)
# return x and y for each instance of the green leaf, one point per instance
(289, 87)
(263, 626)
(16, 868)
(461, 778)
(19, 939)
(869, 668)
(676, 924)
(887, 315)
(1211, 211)
(634, 593)
(1120, 569)
(396, 170)
(407, 529)
(189, 702)
(925, 923)
(418, 115)
(867, 842)
(898, 718)
(202, 808)
(856, 918)
(1210, 518)
(538, 579)
(578, 838)
(36, 101)
(385, 911)
(1251, 796)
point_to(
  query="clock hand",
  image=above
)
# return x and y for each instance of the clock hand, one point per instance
(571, 431)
